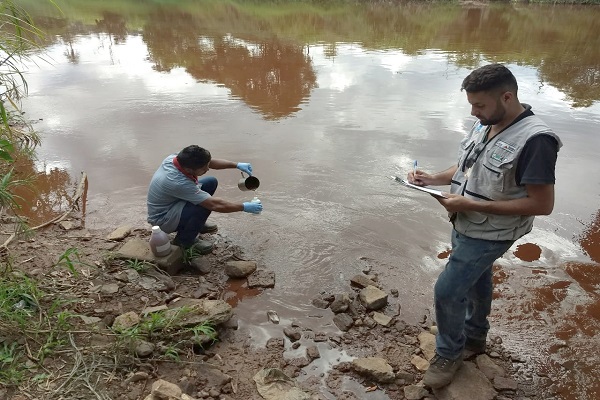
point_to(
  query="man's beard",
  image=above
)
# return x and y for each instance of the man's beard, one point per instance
(496, 118)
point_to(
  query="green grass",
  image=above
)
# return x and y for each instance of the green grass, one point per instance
(163, 326)
(33, 321)
(137, 265)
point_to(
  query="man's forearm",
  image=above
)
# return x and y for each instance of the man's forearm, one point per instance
(216, 163)
(524, 206)
(444, 177)
(220, 205)
(539, 201)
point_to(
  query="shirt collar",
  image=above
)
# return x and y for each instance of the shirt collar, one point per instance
(180, 168)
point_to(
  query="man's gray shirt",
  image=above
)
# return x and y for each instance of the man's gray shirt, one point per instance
(168, 193)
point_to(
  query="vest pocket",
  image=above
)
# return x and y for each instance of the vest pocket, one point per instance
(498, 163)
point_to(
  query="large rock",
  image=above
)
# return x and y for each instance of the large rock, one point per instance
(197, 311)
(138, 249)
(119, 234)
(489, 368)
(362, 281)
(274, 384)
(502, 383)
(239, 269)
(469, 383)
(375, 368)
(373, 298)
(261, 278)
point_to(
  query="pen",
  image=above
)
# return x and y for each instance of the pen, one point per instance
(415, 169)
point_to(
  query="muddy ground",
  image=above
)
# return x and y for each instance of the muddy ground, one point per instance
(88, 358)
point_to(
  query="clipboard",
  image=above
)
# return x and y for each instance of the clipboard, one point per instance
(433, 192)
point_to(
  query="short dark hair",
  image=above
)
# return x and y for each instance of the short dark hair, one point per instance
(490, 78)
(193, 157)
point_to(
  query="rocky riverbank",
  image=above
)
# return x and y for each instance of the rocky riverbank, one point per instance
(120, 324)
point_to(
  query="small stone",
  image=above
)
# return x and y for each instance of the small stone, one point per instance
(292, 333)
(126, 321)
(110, 288)
(382, 319)
(343, 321)
(67, 225)
(320, 303)
(340, 304)
(143, 348)
(320, 337)
(312, 352)
(137, 376)
(420, 363)
(272, 316)
(163, 390)
(369, 322)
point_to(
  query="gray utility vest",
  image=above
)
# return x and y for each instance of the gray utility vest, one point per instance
(493, 177)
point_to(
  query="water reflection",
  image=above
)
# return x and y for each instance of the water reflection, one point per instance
(50, 195)
(272, 77)
(275, 76)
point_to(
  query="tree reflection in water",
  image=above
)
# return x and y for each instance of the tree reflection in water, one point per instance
(50, 196)
(273, 77)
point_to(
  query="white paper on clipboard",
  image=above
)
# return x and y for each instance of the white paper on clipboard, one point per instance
(437, 193)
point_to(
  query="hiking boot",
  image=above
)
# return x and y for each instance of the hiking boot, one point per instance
(474, 347)
(199, 246)
(441, 371)
(209, 227)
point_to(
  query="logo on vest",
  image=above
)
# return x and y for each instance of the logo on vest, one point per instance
(505, 146)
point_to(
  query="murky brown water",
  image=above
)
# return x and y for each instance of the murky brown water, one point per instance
(327, 103)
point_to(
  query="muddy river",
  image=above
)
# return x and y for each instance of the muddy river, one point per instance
(327, 102)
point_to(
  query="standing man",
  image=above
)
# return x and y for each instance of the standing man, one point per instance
(180, 202)
(503, 178)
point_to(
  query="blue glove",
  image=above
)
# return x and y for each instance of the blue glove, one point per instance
(245, 167)
(253, 208)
